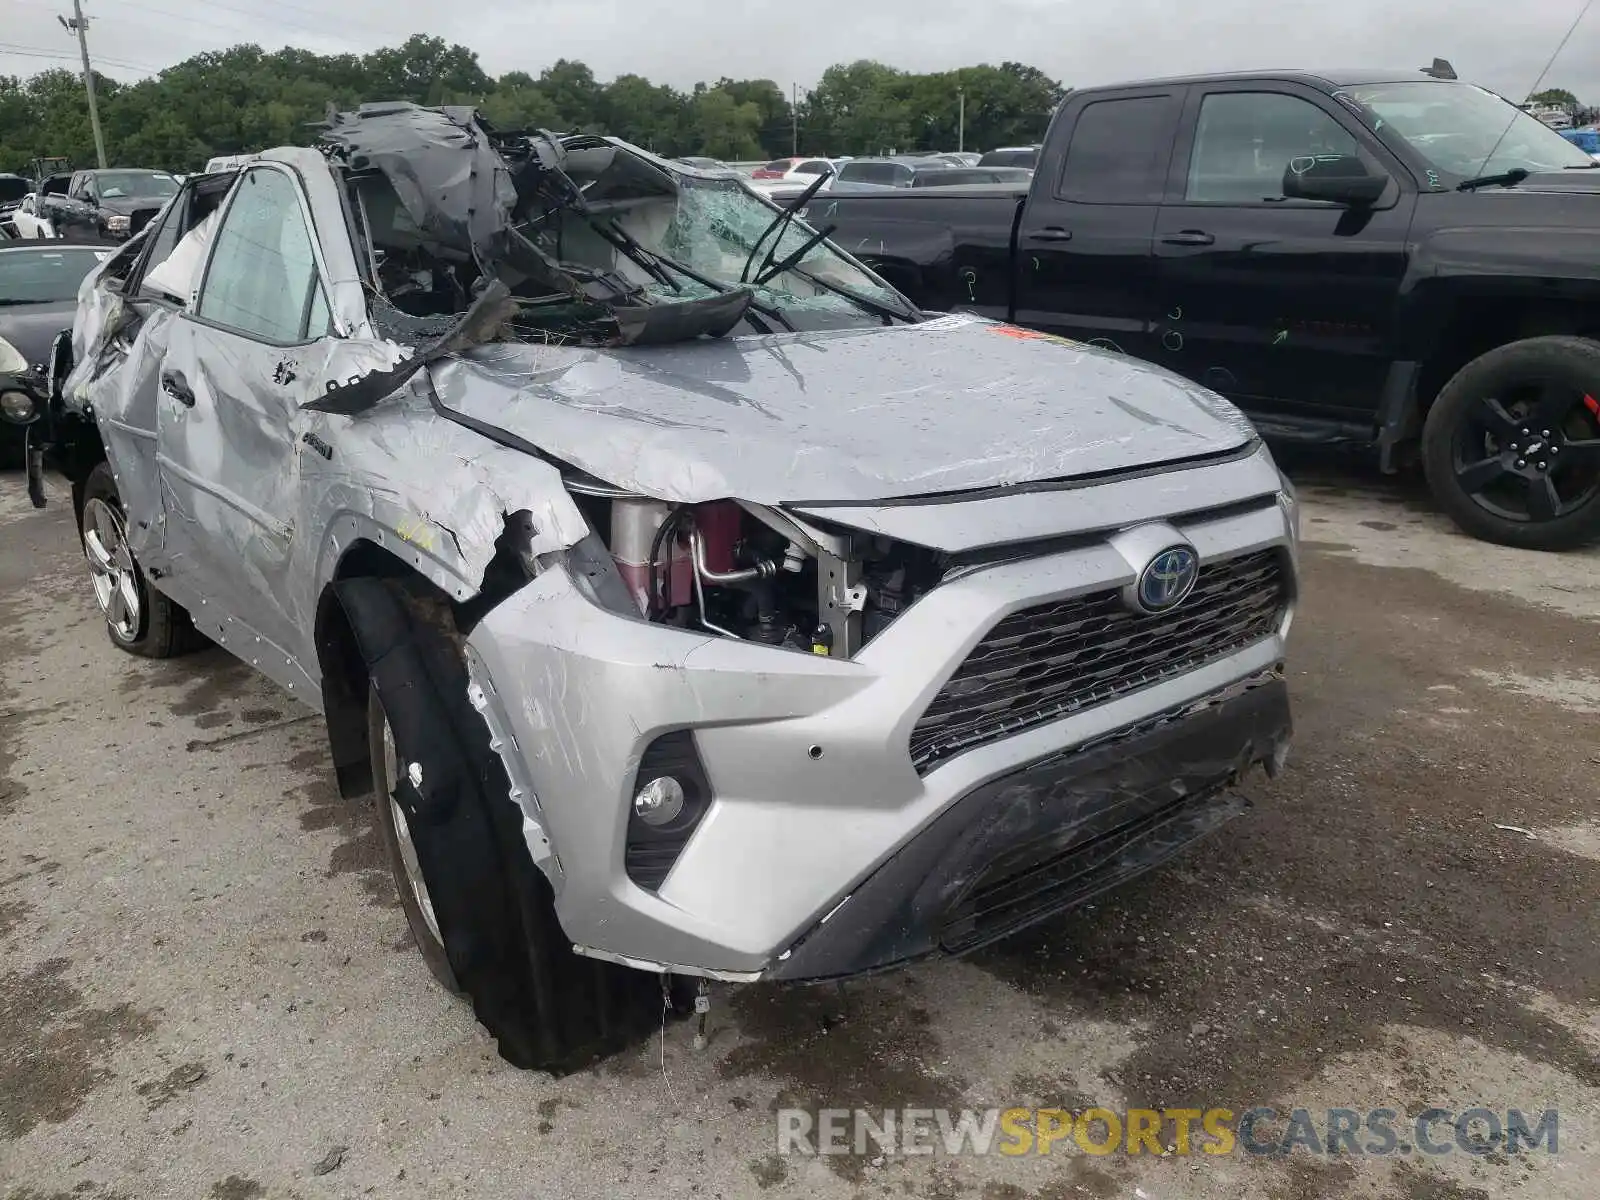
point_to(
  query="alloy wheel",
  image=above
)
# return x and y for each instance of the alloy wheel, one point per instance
(1531, 455)
(111, 568)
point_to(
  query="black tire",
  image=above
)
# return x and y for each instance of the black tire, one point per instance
(158, 627)
(1487, 444)
(548, 1008)
(396, 831)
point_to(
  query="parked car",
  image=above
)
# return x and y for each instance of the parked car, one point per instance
(1380, 258)
(1011, 156)
(887, 172)
(26, 222)
(669, 642)
(38, 296)
(789, 169)
(1587, 140)
(111, 205)
(12, 189)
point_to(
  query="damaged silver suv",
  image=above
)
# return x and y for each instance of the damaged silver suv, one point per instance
(691, 604)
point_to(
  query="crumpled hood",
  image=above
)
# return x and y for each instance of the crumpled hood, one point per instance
(858, 415)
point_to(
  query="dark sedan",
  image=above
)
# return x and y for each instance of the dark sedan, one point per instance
(38, 296)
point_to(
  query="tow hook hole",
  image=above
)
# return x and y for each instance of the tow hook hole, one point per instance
(815, 752)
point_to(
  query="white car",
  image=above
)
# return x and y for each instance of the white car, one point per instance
(27, 221)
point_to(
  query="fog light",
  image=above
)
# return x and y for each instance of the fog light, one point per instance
(660, 801)
(16, 406)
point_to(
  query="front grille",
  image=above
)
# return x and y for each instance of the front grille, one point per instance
(1042, 663)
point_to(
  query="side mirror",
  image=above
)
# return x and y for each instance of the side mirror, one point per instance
(1338, 178)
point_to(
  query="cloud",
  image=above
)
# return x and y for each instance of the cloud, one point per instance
(1503, 46)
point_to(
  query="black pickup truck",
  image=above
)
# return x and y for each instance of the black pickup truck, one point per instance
(1382, 257)
(110, 205)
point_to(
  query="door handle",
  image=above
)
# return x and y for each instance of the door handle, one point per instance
(1189, 237)
(175, 385)
(1051, 233)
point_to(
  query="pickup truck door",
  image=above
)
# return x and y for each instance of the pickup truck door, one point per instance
(70, 212)
(229, 423)
(1285, 306)
(1084, 262)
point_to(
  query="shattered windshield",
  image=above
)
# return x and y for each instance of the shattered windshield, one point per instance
(714, 230)
(1464, 130)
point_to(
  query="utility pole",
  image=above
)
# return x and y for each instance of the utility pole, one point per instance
(961, 119)
(79, 24)
(794, 119)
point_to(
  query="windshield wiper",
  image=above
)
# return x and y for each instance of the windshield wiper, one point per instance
(1505, 179)
(656, 263)
(810, 244)
(780, 224)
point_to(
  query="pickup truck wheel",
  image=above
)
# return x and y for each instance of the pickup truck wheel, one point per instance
(1511, 446)
(139, 619)
(482, 912)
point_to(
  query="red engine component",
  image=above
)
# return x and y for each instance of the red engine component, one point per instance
(719, 532)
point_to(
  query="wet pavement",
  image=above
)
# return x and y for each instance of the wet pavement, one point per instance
(208, 990)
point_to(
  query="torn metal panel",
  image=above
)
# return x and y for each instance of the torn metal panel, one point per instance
(452, 185)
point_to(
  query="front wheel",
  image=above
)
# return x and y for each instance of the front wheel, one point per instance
(1511, 446)
(481, 912)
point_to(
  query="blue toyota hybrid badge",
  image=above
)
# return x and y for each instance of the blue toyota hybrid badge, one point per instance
(1167, 579)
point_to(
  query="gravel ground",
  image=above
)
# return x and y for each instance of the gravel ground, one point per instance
(207, 989)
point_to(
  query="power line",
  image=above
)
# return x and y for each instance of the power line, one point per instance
(64, 56)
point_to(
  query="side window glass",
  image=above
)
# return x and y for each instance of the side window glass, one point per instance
(318, 323)
(1245, 141)
(163, 240)
(262, 268)
(1119, 152)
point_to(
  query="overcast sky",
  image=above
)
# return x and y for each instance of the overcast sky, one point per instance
(1501, 43)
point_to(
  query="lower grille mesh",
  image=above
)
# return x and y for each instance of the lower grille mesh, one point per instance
(1042, 663)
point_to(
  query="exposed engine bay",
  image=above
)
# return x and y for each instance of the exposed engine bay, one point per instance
(749, 572)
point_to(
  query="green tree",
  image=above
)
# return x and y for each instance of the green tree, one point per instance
(244, 98)
(1556, 98)
(651, 115)
(724, 128)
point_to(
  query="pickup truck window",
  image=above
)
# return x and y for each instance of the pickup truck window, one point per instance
(1457, 126)
(1119, 151)
(1245, 141)
(873, 172)
(263, 274)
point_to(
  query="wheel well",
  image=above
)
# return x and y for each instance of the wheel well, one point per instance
(78, 450)
(344, 671)
(1479, 326)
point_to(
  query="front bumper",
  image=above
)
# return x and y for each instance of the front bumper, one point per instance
(816, 796)
(1052, 835)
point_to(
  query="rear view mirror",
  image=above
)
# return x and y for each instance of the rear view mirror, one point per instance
(1337, 178)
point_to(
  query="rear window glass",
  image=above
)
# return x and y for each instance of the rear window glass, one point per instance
(870, 172)
(1119, 151)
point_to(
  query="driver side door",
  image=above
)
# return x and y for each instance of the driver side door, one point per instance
(1285, 306)
(229, 422)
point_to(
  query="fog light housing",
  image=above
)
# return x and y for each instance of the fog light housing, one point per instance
(660, 801)
(671, 795)
(18, 406)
